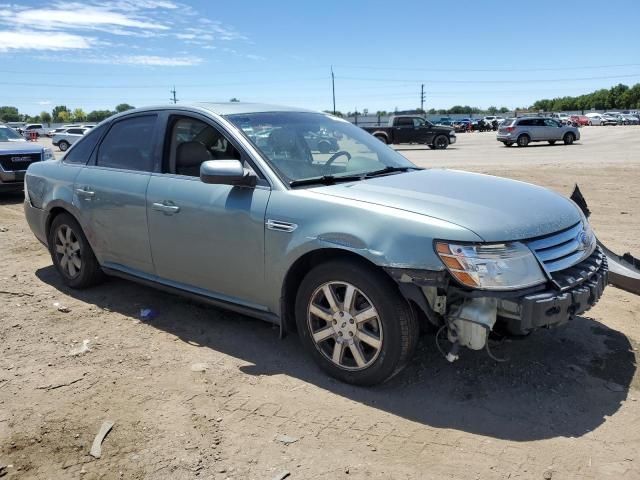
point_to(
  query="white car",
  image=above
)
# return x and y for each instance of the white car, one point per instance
(594, 118)
(52, 133)
(31, 128)
(63, 140)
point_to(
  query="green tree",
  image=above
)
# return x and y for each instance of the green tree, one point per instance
(234, 99)
(55, 113)
(99, 115)
(78, 115)
(123, 107)
(45, 117)
(492, 110)
(9, 114)
(64, 116)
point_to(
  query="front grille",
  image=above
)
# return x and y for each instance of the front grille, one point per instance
(14, 162)
(562, 250)
(580, 272)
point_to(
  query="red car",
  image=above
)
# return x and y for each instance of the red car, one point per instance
(580, 120)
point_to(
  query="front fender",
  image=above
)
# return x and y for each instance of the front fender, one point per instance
(385, 236)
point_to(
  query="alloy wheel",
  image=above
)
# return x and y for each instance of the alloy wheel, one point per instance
(345, 325)
(67, 250)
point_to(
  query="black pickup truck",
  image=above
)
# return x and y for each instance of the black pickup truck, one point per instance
(414, 129)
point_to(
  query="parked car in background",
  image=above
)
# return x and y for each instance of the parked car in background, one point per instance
(611, 119)
(579, 120)
(446, 121)
(353, 249)
(54, 131)
(594, 118)
(16, 154)
(628, 119)
(31, 128)
(63, 140)
(525, 130)
(414, 129)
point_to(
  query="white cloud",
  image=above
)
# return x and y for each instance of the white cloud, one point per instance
(44, 102)
(81, 18)
(26, 40)
(94, 25)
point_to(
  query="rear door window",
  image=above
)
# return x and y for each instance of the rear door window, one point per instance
(129, 144)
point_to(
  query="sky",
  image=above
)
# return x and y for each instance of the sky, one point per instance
(95, 55)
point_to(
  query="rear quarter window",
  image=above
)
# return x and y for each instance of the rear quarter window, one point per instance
(81, 151)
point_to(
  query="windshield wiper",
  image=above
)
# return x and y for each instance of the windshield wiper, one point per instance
(326, 180)
(387, 170)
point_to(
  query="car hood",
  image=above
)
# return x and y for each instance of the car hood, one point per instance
(496, 209)
(19, 147)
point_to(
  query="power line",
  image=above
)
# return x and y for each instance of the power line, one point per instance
(545, 80)
(497, 69)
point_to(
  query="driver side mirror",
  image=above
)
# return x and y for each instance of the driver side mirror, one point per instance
(227, 172)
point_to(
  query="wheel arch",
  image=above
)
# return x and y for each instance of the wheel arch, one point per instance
(301, 267)
(380, 133)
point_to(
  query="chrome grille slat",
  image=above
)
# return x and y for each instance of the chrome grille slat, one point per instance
(553, 240)
(565, 262)
(562, 250)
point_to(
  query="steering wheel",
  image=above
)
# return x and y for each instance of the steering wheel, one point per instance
(336, 155)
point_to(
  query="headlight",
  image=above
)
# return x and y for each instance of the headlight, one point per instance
(47, 154)
(504, 266)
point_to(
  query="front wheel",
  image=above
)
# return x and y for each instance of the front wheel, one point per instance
(63, 145)
(354, 322)
(440, 142)
(569, 138)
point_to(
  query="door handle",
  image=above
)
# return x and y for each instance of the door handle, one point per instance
(166, 208)
(85, 193)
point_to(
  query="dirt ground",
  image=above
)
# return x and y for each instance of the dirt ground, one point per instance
(565, 406)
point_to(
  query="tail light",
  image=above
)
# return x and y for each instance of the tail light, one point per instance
(510, 129)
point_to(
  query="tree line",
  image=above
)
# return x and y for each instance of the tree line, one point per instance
(620, 97)
(60, 114)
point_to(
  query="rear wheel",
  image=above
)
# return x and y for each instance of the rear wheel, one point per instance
(324, 147)
(354, 322)
(552, 142)
(440, 142)
(63, 145)
(568, 138)
(72, 254)
(382, 138)
(523, 140)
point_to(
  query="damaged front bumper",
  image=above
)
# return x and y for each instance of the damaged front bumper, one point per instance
(470, 315)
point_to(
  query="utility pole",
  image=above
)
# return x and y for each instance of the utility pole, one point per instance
(173, 93)
(422, 97)
(333, 89)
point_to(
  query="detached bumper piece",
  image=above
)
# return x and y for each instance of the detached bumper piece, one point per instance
(580, 287)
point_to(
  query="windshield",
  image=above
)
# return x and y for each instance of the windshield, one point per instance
(301, 145)
(7, 134)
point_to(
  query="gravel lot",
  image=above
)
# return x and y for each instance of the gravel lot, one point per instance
(200, 393)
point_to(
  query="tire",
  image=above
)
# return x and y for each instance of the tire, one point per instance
(523, 140)
(568, 138)
(382, 138)
(508, 144)
(590, 124)
(552, 142)
(391, 331)
(63, 145)
(440, 142)
(324, 147)
(67, 240)
(431, 147)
